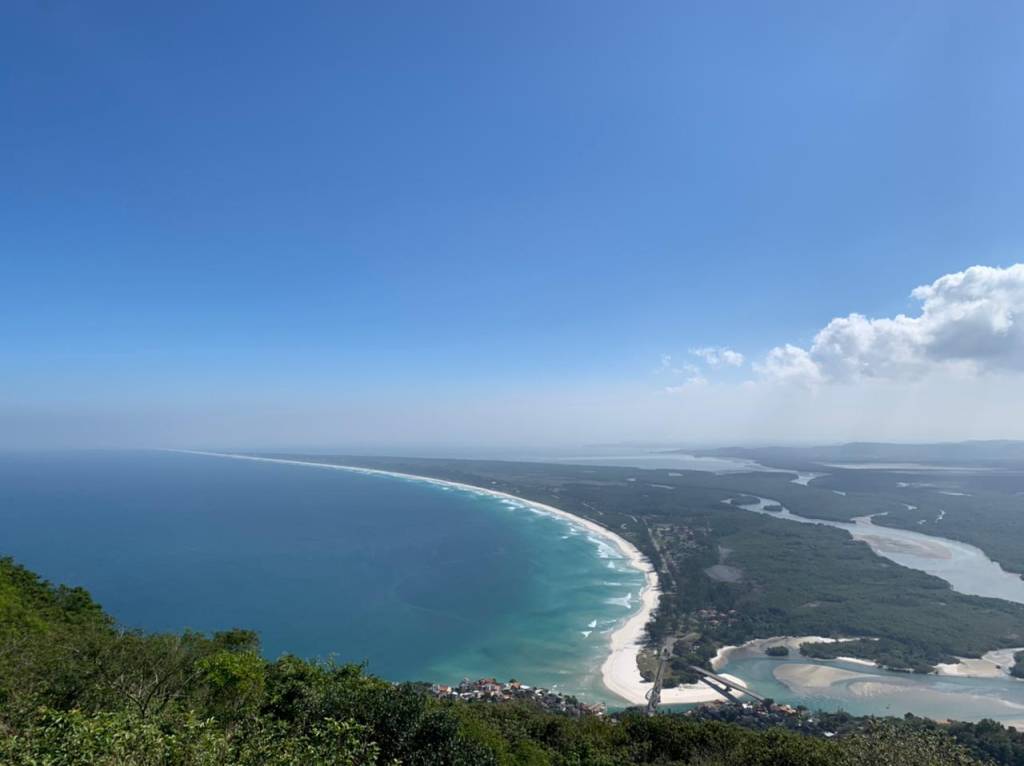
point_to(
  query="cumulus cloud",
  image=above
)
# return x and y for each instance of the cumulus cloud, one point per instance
(970, 322)
(789, 364)
(715, 356)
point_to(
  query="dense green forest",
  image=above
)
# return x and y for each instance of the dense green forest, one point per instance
(978, 497)
(786, 578)
(809, 580)
(77, 691)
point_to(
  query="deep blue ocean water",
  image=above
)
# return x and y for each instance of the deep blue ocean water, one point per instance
(421, 582)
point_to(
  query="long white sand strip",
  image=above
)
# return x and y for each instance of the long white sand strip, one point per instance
(619, 672)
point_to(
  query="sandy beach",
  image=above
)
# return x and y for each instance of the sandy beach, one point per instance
(858, 661)
(923, 549)
(758, 645)
(619, 672)
(811, 678)
(994, 664)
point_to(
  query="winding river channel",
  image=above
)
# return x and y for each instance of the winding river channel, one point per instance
(862, 689)
(966, 568)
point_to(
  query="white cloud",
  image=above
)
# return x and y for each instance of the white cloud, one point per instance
(692, 371)
(714, 356)
(694, 377)
(968, 325)
(788, 363)
(695, 380)
(732, 358)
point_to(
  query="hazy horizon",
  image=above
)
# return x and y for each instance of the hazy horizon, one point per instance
(540, 225)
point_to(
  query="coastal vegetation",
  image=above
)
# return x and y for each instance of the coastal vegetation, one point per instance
(794, 579)
(811, 580)
(976, 497)
(75, 690)
(988, 520)
(777, 651)
(1018, 665)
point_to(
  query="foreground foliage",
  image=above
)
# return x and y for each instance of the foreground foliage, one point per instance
(74, 691)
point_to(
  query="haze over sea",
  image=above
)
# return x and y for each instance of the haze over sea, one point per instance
(422, 582)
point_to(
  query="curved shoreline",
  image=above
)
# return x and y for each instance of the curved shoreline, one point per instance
(619, 672)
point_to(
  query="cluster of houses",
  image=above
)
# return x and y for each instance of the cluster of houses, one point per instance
(758, 716)
(684, 538)
(748, 714)
(492, 690)
(715, 617)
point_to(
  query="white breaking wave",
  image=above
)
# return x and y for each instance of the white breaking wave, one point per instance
(604, 550)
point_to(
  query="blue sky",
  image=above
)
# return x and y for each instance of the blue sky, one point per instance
(340, 223)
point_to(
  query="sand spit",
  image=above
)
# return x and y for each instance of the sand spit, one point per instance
(811, 678)
(758, 645)
(994, 664)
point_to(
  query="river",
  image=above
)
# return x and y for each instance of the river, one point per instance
(966, 568)
(863, 690)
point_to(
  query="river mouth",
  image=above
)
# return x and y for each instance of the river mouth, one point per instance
(845, 685)
(860, 688)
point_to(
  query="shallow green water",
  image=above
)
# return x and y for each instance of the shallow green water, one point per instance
(876, 692)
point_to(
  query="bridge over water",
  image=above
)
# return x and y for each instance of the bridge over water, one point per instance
(728, 689)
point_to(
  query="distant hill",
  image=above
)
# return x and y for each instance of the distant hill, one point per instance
(1001, 451)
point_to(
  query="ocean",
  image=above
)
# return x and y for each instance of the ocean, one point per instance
(418, 581)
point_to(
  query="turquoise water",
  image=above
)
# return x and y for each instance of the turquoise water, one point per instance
(876, 692)
(420, 581)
